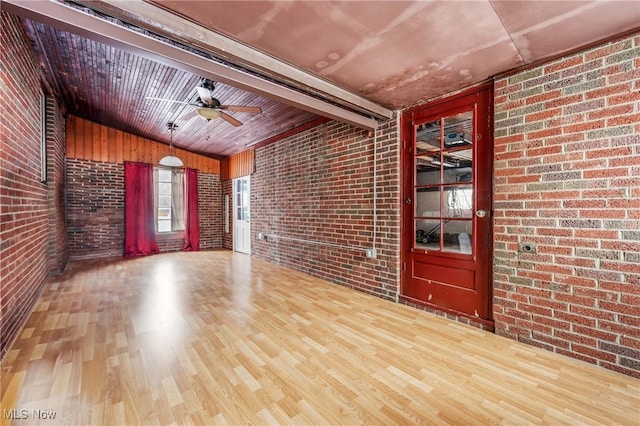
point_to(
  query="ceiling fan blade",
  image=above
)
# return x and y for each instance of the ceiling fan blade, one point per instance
(229, 119)
(205, 95)
(188, 116)
(169, 100)
(242, 108)
(166, 100)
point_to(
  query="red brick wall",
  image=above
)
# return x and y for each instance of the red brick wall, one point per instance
(567, 178)
(58, 252)
(210, 211)
(24, 214)
(95, 210)
(317, 186)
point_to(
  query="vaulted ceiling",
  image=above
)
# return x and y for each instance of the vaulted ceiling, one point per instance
(355, 61)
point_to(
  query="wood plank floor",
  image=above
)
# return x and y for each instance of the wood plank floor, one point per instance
(221, 338)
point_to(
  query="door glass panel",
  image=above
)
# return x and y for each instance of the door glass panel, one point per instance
(457, 236)
(443, 184)
(459, 201)
(457, 166)
(428, 234)
(428, 202)
(458, 130)
(428, 169)
(428, 137)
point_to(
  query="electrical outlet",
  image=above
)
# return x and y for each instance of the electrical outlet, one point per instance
(372, 253)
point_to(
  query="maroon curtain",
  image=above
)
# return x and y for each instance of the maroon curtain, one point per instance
(140, 233)
(191, 223)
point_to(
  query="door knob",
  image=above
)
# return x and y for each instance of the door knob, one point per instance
(481, 213)
(407, 200)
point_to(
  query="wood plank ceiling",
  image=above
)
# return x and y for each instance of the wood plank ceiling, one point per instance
(394, 53)
(110, 86)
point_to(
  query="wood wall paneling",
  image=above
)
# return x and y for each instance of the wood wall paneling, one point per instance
(242, 164)
(224, 169)
(87, 140)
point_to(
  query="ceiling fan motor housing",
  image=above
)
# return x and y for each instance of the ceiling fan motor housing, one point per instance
(213, 104)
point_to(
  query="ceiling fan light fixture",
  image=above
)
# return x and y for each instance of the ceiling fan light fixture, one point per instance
(208, 113)
(171, 160)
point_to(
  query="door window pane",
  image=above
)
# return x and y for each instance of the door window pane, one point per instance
(428, 234)
(457, 166)
(428, 202)
(457, 236)
(458, 130)
(459, 201)
(444, 183)
(428, 169)
(428, 137)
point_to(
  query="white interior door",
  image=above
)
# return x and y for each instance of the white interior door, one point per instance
(241, 214)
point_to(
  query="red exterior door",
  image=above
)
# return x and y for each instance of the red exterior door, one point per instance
(446, 214)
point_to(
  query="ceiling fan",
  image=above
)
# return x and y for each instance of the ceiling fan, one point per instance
(209, 107)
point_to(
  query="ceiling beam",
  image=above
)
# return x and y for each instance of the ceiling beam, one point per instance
(66, 18)
(156, 19)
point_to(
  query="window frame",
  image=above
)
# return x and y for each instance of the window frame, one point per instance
(157, 182)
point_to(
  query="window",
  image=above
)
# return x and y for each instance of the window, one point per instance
(169, 199)
(443, 184)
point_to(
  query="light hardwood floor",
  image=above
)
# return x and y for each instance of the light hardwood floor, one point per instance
(221, 338)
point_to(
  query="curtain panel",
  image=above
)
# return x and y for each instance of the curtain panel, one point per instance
(140, 235)
(192, 220)
(178, 198)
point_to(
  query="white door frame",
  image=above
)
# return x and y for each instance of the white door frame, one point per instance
(241, 209)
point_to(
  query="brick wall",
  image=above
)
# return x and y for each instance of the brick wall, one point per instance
(24, 215)
(317, 186)
(167, 243)
(58, 252)
(210, 210)
(567, 179)
(95, 211)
